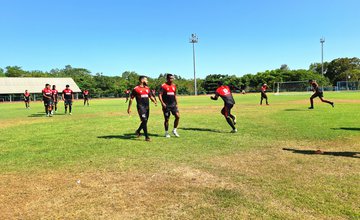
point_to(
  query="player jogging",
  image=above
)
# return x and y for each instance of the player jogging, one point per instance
(68, 96)
(263, 94)
(142, 94)
(167, 97)
(318, 93)
(27, 99)
(48, 99)
(225, 93)
(86, 97)
(55, 95)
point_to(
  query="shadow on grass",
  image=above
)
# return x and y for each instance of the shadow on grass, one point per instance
(42, 114)
(294, 110)
(347, 129)
(129, 136)
(203, 129)
(328, 153)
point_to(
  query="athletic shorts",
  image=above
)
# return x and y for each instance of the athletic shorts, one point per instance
(263, 95)
(48, 102)
(26, 100)
(226, 111)
(170, 109)
(143, 112)
(318, 94)
(68, 102)
(86, 98)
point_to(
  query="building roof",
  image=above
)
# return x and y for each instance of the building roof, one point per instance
(18, 85)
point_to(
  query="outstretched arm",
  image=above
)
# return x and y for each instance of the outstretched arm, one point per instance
(215, 97)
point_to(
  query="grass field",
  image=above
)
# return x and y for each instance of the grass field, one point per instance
(90, 165)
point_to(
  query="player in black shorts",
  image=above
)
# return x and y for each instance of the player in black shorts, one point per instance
(68, 97)
(27, 99)
(142, 94)
(225, 93)
(167, 97)
(48, 99)
(318, 93)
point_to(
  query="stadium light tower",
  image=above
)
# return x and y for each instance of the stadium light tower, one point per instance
(322, 41)
(194, 40)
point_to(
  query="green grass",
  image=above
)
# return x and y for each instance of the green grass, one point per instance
(207, 173)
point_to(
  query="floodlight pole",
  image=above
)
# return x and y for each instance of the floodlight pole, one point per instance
(322, 41)
(194, 40)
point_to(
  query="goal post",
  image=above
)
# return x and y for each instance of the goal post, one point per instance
(291, 86)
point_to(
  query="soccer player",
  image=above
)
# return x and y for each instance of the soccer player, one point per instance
(167, 97)
(127, 95)
(86, 97)
(27, 99)
(263, 94)
(48, 99)
(225, 93)
(55, 95)
(142, 94)
(68, 96)
(317, 93)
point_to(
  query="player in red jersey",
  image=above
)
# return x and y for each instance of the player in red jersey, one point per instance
(27, 99)
(318, 93)
(225, 93)
(127, 95)
(48, 99)
(264, 87)
(68, 97)
(167, 97)
(86, 97)
(142, 94)
(55, 95)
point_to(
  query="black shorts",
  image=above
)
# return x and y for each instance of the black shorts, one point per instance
(317, 94)
(68, 102)
(263, 95)
(86, 98)
(226, 111)
(48, 102)
(143, 112)
(26, 100)
(168, 109)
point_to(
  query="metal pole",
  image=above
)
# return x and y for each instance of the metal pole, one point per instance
(322, 40)
(195, 86)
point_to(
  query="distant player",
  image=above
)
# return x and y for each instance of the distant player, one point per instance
(127, 95)
(142, 94)
(264, 87)
(55, 94)
(86, 97)
(167, 97)
(27, 99)
(318, 93)
(68, 97)
(48, 99)
(225, 93)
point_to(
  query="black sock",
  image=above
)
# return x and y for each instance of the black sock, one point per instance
(230, 123)
(70, 108)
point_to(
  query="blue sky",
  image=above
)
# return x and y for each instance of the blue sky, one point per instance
(152, 37)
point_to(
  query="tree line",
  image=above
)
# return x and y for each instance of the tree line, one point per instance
(99, 85)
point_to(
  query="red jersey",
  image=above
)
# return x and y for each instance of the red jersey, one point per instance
(67, 93)
(47, 92)
(27, 95)
(168, 93)
(142, 95)
(55, 94)
(225, 93)
(86, 93)
(263, 89)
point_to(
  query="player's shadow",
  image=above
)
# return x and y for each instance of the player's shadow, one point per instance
(294, 110)
(347, 129)
(202, 129)
(37, 115)
(128, 136)
(328, 153)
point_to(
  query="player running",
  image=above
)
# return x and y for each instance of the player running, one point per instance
(264, 87)
(27, 99)
(55, 95)
(68, 96)
(167, 97)
(86, 97)
(318, 93)
(48, 99)
(142, 94)
(225, 93)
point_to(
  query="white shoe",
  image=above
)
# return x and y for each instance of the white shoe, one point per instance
(175, 133)
(234, 131)
(70, 113)
(167, 135)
